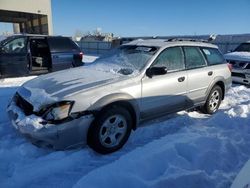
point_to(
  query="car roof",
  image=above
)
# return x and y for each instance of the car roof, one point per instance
(161, 43)
(33, 35)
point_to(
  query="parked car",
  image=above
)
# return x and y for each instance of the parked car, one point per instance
(100, 103)
(243, 178)
(37, 54)
(240, 60)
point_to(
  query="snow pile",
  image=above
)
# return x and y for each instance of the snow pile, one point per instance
(243, 178)
(205, 151)
(88, 58)
(31, 122)
(187, 149)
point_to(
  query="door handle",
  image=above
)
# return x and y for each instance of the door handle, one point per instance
(181, 79)
(210, 73)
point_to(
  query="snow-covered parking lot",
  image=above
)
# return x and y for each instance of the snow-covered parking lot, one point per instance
(184, 150)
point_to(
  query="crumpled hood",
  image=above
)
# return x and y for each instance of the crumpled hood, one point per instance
(53, 87)
(238, 56)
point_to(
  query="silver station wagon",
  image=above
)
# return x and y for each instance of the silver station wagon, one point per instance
(101, 103)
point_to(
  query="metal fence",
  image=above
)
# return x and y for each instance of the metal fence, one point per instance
(225, 43)
(228, 43)
(95, 47)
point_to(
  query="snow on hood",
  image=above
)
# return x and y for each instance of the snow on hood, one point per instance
(238, 56)
(50, 88)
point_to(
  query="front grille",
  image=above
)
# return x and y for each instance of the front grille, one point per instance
(236, 74)
(23, 104)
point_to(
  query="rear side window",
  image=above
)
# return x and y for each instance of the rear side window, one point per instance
(172, 58)
(62, 44)
(194, 58)
(213, 56)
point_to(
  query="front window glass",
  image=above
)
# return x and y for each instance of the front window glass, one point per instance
(17, 45)
(125, 60)
(171, 58)
(244, 47)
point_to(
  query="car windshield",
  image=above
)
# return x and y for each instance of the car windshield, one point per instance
(244, 47)
(126, 60)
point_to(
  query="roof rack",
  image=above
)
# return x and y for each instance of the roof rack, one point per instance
(210, 39)
(186, 39)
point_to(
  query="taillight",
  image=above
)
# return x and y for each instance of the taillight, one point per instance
(81, 55)
(230, 66)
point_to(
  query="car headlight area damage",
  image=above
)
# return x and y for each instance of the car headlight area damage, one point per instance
(52, 126)
(57, 112)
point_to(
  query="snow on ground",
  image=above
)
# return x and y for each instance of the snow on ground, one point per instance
(187, 149)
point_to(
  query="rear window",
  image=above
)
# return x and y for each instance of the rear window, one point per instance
(62, 44)
(213, 56)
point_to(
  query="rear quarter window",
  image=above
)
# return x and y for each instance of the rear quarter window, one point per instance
(213, 56)
(62, 44)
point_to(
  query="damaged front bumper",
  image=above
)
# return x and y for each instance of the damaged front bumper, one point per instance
(241, 76)
(66, 135)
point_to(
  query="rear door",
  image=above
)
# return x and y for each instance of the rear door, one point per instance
(62, 52)
(199, 75)
(14, 58)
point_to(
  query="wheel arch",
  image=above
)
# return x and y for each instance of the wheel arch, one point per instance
(119, 99)
(220, 81)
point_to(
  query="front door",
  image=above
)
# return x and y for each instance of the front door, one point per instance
(166, 93)
(14, 58)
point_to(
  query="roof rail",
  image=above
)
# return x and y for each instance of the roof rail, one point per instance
(210, 39)
(186, 39)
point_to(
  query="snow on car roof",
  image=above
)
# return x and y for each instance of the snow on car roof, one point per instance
(166, 43)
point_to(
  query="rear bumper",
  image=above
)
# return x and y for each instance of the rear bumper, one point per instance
(62, 136)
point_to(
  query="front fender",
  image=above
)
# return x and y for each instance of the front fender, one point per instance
(117, 97)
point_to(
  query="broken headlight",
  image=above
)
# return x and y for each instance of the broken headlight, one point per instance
(58, 111)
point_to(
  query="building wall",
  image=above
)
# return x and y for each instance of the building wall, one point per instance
(30, 6)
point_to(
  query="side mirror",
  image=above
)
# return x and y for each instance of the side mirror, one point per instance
(153, 71)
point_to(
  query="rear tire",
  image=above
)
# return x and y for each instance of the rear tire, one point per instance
(110, 130)
(213, 101)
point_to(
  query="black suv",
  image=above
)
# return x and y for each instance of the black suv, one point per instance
(37, 54)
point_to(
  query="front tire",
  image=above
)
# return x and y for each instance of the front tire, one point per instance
(110, 130)
(213, 101)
